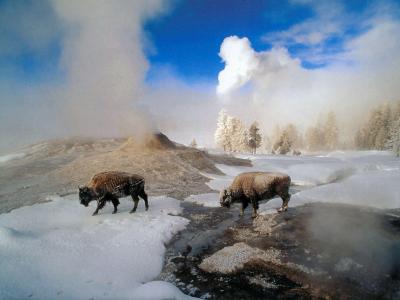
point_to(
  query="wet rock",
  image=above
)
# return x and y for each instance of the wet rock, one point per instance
(264, 224)
(234, 258)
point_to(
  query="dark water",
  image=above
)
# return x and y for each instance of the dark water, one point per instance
(354, 252)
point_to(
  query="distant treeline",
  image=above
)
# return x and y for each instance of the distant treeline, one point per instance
(382, 130)
(233, 136)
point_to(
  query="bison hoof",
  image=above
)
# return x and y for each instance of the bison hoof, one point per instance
(132, 211)
(94, 214)
(147, 208)
(282, 209)
(254, 216)
(114, 212)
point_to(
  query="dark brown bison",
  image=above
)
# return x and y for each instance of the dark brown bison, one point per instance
(109, 186)
(252, 187)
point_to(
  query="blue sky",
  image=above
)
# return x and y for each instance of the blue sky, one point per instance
(188, 38)
(58, 58)
(185, 39)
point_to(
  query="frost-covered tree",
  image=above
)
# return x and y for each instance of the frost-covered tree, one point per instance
(393, 142)
(315, 138)
(193, 143)
(360, 140)
(221, 135)
(284, 144)
(231, 133)
(254, 137)
(331, 131)
(375, 133)
(239, 136)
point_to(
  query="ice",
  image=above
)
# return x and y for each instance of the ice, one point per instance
(6, 158)
(156, 290)
(209, 199)
(58, 250)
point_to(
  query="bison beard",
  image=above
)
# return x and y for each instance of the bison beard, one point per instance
(109, 186)
(253, 187)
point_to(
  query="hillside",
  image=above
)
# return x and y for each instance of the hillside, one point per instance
(60, 166)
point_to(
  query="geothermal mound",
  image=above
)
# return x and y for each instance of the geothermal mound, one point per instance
(60, 166)
(153, 141)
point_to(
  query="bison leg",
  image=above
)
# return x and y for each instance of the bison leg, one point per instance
(115, 202)
(100, 204)
(285, 202)
(254, 203)
(136, 201)
(245, 203)
(143, 195)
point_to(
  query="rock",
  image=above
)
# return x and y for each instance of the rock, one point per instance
(265, 224)
(234, 258)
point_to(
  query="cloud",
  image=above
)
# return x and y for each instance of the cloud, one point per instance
(280, 89)
(240, 63)
(103, 65)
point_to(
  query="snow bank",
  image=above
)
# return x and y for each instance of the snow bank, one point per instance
(156, 290)
(58, 250)
(209, 199)
(378, 189)
(6, 158)
(354, 177)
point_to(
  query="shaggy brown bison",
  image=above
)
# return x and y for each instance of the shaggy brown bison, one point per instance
(109, 186)
(252, 187)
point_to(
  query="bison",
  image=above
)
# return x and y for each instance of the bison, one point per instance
(109, 186)
(252, 187)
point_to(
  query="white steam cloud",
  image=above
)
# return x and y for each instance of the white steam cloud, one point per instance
(240, 63)
(102, 66)
(280, 90)
(105, 65)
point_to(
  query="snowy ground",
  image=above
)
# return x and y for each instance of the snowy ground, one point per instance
(368, 178)
(57, 250)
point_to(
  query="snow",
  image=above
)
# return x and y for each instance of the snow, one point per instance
(379, 189)
(367, 178)
(8, 157)
(157, 290)
(58, 250)
(209, 199)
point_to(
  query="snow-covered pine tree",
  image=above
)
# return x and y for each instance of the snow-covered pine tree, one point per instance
(314, 138)
(230, 129)
(221, 135)
(254, 137)
(193, 143)
(285, 143)
(393, 143)
(239, 137)
(331, 131)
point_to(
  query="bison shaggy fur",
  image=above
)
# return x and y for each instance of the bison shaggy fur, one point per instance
(252, 187)
(111, 185)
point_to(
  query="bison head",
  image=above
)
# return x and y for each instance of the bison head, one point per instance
(225, 198)
(85, 195)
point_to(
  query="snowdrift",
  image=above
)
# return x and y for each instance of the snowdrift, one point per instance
(58, 250)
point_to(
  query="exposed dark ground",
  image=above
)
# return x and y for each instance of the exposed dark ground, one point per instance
(327, 251)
